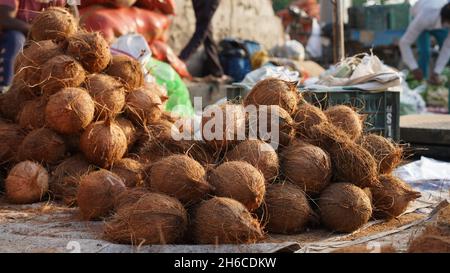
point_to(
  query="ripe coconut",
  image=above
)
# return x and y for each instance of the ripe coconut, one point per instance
(287, 209)
(72, 143)
(42, 145)
(307, 166)
(127, 70)
(11, 136)
(153, 219)
(27, 182)
(70, 110)
(239, 180)
(129, 197)
(259, 154)
(392, 198)
(97, 192)
(103, 143)
(344, 207)
(59, 72)
(128, 129)
(346, 119)
(90, 49)
(179, 176)
(14, 99)
(387, 154)
(144, 106)
(222, 220)
(108, 93)
(305, 117)
(32, 115)
(53, 23)
(274, 91)
(131, 171)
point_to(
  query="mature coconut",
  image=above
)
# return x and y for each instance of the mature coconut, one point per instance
(32, 115)
(14, 99)
(259, 154)
(129, 197)
(274, 91)
(27, 182)
(11, 136)
(90, 49)
(287, 209)
(346, 119)
(144, 106)
(127, 70)
(222, 220)
(307, 166)
(392, 198)
(239, 180)
(97, 192)
(42, 145)
(70, 110)
(305, 117)
(53, 23)
(179, 176)
(65, 179)
(108, 93)
(153, 219)
(103, 143)
(131, 171)
(72, 143)
(60, 72)
(387, 154)
(344, 207)
(128, 129)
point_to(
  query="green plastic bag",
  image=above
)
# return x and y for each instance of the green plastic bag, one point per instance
(179, 101)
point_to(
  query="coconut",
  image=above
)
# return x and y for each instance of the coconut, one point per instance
(53, 23)
(129, 197)
(27, 182)
(179, 176)
(108, 94)
(307, 166)
(274, 91)
(346, 119)
(128, 129)
(130, 170)
(11, 136)
(387, 154)
(144, 106)
(42, 145)
(305, 117)
(70, 110)
(103, 143)
(239, 180)
(392, 198)
(14, 99)
(90, 49)
(222, 220)
(128, 70)
(72, 143)
(287, 209)
(344, 207)
(97, 192)
(59, 72)
(32, 115)
(153, 219)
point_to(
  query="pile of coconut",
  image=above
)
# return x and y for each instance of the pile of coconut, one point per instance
(80, 126)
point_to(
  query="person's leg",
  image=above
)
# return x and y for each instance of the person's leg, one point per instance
(212, 64)
(423, 45)
(11, 42)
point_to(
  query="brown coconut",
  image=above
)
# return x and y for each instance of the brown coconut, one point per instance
(153, 219)
(344, 207)
(53, 23)
(287, 209)
(392, 198)
(222, 220)
(387, 154)
(239, 180)
(14, 99)
(27, 182)
(127, 70)
(179, 176)
(305, 117)
(60, 72)
(274, 91)
(42, 145)
(70, 110)
(131, 171)
(108, 94)
(144, 106)
(11, 136)
(346, 119)
(129, 197)
(307, 166)
(103, 143)
(97, 192)
(90, 49)
(32, 115)
(128, 129)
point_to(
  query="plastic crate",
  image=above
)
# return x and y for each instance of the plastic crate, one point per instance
(398, 16)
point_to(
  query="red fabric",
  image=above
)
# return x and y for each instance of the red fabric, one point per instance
(163, 52)
(164, 6)
(121, 3)
(26, 10)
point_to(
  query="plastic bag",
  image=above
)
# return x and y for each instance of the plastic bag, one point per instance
(291, 49)
(163, 52)
(265, 72)
(411, 101)
(314, 45)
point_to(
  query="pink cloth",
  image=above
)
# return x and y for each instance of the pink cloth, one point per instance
(26, 10)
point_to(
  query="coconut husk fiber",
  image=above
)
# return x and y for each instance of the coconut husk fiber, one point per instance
(129, 197)
(32, 115)
(11, 136)
(346, 119)
(131, 171)
(14, 99)
(53, 23)
(128, 129)
(42, 145)
(144, 106)
(387, 154)
(305, 117)
(127, 70)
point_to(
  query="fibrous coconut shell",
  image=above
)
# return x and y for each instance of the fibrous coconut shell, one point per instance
(32, 115)
(14, 99)
(53, 23)
(42, 145)
(131, 171)
(11, 136)
(127, 70)
(143, 106)
(387, 154)
(346, 119)
(305, 117)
